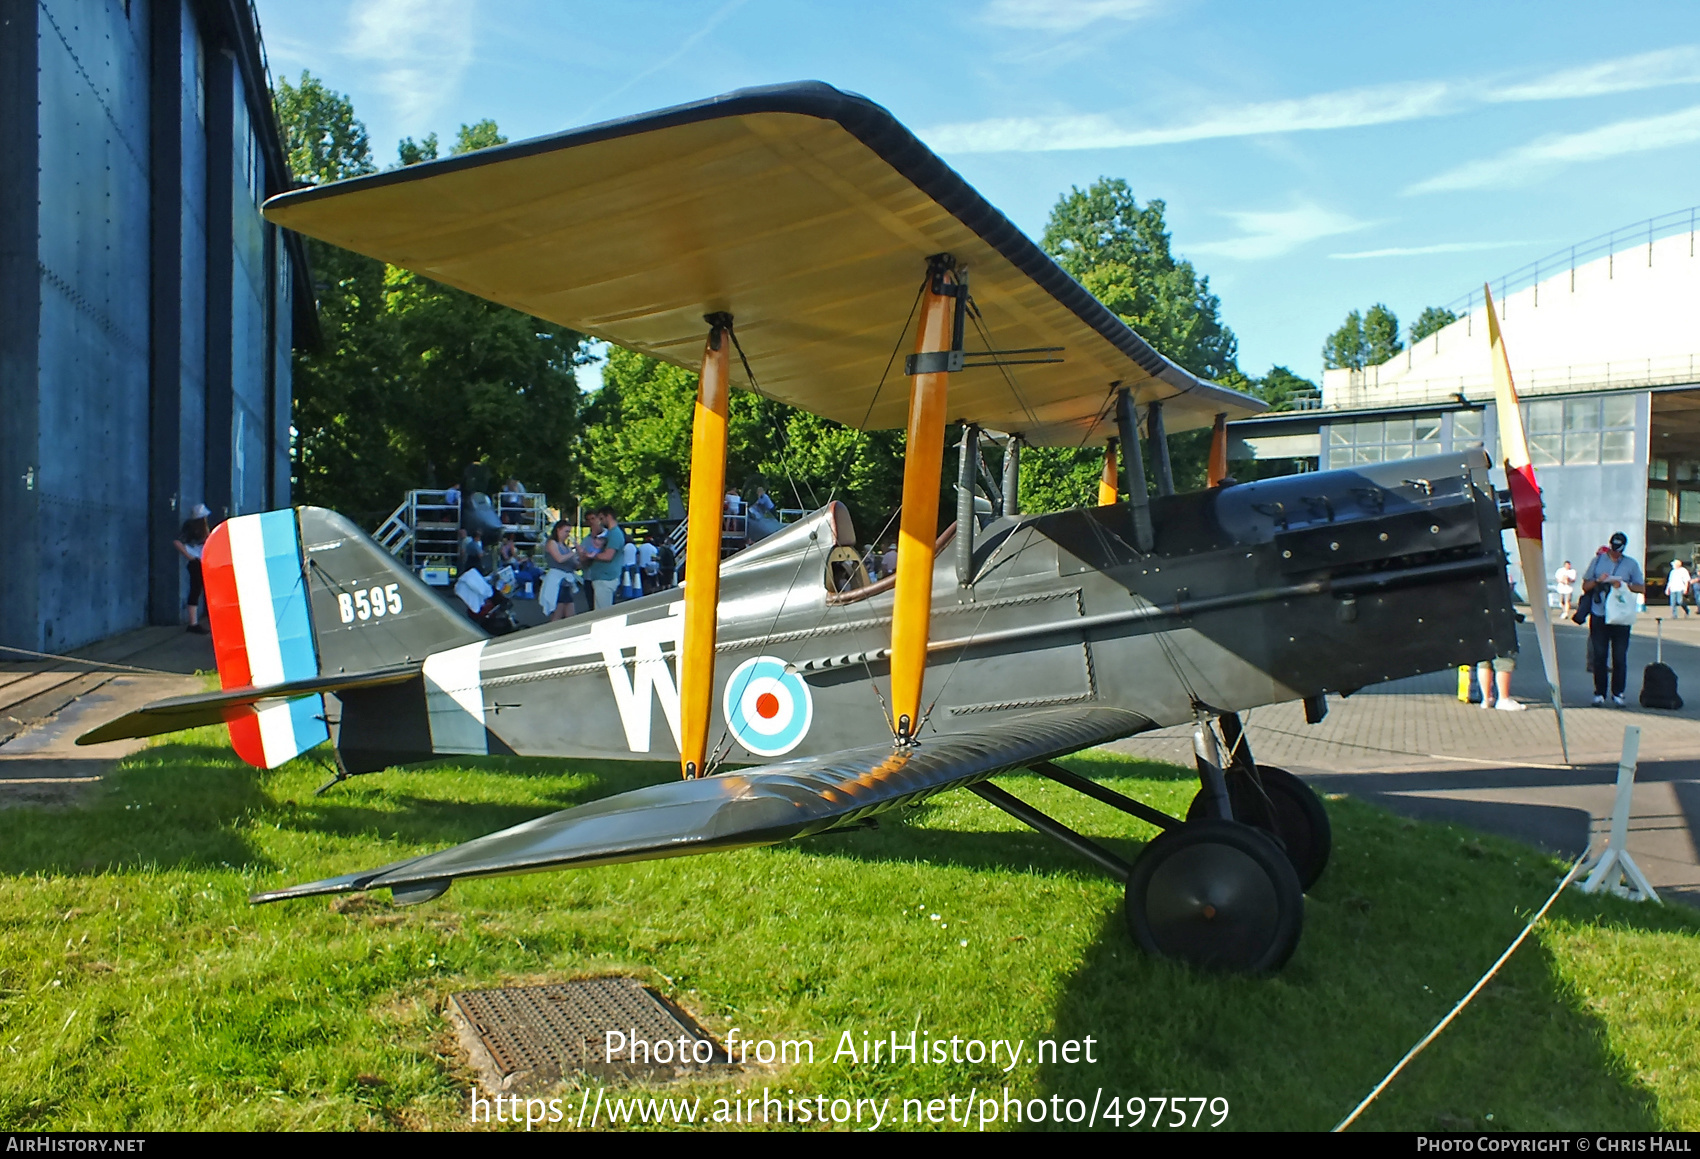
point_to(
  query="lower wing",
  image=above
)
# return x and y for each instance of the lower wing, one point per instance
(754, 807)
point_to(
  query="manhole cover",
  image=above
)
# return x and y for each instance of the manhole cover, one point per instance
(532, 1036)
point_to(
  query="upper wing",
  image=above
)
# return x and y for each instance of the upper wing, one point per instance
(753, 807)
(805, 212)
(182, 712)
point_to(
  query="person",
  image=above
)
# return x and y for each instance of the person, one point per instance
(512, 500)
(603, 561)
(507, 554)
(630, 579)
(190, 542)
(762, 504)
(563, 562)
(667, 565)
(1498, 670)
(649, 563)
(888, 561)
(471, 551)
(1608, 572)
(1565, 580)
(1676, 587)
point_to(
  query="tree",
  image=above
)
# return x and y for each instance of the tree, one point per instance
(638, 441)
(1432, 319)
(411, 152)
(480, 135)
(415, 380)
(1121, 252)
(325, 141)
(1363, 340)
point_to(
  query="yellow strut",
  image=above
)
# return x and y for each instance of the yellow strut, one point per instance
(1218, 469)
(917, 537)
(702, 549)
(1107, 481)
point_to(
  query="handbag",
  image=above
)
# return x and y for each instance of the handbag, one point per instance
(1621, 606)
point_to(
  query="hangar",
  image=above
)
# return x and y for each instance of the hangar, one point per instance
(147, 311)
(1606, 354)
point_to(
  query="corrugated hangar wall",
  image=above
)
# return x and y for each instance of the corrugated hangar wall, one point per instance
(146, 309)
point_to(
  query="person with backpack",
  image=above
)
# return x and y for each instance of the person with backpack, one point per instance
(1608, 590)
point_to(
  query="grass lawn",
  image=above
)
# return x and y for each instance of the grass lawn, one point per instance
(138, 989)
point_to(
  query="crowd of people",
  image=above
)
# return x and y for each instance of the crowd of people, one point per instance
(600, 567)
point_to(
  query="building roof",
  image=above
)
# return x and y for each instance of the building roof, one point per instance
(1623, 320)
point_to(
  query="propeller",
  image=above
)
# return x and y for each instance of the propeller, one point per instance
(1527, 508)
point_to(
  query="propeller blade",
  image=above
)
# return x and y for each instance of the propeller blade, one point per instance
(1526, 506)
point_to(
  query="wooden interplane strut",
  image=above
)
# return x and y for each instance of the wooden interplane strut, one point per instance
(702, 548)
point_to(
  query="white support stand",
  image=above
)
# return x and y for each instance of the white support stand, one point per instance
(1616, 870)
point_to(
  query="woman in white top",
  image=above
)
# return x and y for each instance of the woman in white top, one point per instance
(562, 559)
(1565, 579)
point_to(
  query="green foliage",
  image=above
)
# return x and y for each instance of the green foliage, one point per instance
(325, 140)
(1363, 340)
(415, 380)
(638, 441)
(1432, 319)
(411, 152)
(1121, 253)
(481, 135)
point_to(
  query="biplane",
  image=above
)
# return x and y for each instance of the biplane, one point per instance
(807, 232)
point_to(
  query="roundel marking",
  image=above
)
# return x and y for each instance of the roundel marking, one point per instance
(768, 710)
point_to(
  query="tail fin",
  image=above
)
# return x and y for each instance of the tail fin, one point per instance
(292, 595)
(262, 633)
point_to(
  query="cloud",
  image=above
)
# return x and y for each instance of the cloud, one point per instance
(669, 61)
(1336, 110)
(1445, 247)
(420, 47)
(1668, 66)
(1063, 15)
(1271, 233)
(1538, 159)
(1341, 109)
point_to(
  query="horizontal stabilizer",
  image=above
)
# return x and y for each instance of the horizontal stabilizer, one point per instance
(217, 707)
(737, 809)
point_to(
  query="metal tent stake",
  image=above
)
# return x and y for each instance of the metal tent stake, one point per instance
(1616, 870)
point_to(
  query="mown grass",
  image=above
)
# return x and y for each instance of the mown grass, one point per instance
(138, 989)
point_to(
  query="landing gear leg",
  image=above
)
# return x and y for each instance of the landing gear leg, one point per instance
(339, 774)
(1273, 800)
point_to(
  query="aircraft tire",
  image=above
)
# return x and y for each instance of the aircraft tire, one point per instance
(1301, 822)
(1217, 895)
(1287, 808)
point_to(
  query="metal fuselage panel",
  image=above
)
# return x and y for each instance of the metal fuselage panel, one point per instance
(1255, 594)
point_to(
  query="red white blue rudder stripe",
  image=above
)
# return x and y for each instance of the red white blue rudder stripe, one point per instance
(263, 633)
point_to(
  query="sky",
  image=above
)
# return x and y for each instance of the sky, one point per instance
(1313, 158)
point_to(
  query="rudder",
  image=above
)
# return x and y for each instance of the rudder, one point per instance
(262, 632)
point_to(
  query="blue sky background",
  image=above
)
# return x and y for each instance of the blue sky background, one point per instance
(1314, 158)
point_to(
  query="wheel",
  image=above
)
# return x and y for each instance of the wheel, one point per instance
(1217, 895)
(1301, 822)
(1287, 808)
